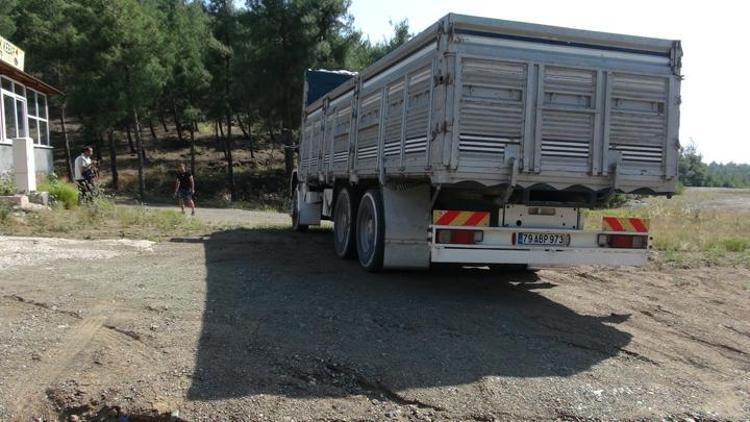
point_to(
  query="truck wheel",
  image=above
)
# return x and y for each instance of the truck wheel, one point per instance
(371, 231)
(294, 212)
(344, 239)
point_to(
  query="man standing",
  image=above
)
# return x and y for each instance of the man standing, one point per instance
(184, 189)
(84, 172)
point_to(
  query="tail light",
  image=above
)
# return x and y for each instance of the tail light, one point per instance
(622, 241)
(459, 237)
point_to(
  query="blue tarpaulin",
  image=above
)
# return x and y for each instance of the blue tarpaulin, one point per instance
(320, 82)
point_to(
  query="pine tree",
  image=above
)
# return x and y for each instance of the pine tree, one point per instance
(225, 28)
(189, 35)
(121, 66)
(7, 18)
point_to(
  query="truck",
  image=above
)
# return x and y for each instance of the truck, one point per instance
(481, 141)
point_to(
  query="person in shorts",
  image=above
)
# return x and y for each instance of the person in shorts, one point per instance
(184, 189)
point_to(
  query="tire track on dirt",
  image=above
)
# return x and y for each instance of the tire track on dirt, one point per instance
(30, 397)
(42, 305)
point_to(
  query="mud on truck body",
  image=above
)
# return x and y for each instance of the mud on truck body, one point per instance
(480, 141)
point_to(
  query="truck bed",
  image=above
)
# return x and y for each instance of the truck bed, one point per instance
(490, 105)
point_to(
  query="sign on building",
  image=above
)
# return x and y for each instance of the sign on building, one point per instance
(11, 54)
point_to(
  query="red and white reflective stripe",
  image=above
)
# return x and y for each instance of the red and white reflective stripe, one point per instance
(461, 218)
(617, 224)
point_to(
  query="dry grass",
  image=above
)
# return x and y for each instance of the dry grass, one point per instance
(712, 226)
(102, 219)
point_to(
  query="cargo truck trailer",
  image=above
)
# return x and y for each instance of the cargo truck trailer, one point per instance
(480, 142)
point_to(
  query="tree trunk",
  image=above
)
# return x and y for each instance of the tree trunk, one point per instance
(221, 138)
(139, 147)
(272, 137)
(242, 126)
(177, 121)
(66, 140)
(251, 142)
(151, 127)
(195, 127)
(286, 139)
(192, 150)
(130, 139)
(113, 160)
(230, 160)
(163, 122)
(99, 145)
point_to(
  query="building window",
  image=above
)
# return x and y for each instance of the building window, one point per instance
(36, 104)
(14, 110)
(23, 112)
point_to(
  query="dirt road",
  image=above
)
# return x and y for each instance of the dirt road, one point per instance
(266, 324)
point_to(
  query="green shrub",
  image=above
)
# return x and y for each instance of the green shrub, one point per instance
(62, 193)
(735, 244)
(99, 208)
(7, 187)
(680, 188)
(5, 211)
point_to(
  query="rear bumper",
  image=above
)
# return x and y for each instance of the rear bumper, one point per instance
(498, 248)
(539, 257)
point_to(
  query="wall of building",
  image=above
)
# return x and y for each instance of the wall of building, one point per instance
(43, 156)
(6, 157)
(44, 160)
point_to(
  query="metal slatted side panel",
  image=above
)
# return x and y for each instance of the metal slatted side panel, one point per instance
(310, 144)
(638, 118)
(393, 123)
(491, 110)
(341, 137)
(326, 152)
(417, 119)
(315, 144)
(368, 131)
(568, 115)
(304, 149)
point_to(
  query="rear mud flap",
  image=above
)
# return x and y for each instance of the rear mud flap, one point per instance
(407, 219)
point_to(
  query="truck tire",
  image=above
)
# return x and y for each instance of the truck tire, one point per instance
(344, 217)
(294, 212)
(371, 231)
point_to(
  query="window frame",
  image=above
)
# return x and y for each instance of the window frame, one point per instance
(42, 116)
(42, 113)
(16, 97)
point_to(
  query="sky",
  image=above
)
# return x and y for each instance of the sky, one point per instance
(715, 111)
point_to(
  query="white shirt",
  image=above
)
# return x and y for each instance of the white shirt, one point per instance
(81, 164)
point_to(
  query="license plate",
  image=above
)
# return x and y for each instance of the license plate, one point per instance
(543, 239)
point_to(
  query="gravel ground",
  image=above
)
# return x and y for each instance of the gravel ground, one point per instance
(39, 251)
(266, 324)
(230, 216)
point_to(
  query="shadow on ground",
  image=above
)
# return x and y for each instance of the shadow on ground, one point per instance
(284, 316)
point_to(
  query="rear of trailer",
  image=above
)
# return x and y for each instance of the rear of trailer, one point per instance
(511, 128)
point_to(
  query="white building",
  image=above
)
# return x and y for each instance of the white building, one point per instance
(23, 115)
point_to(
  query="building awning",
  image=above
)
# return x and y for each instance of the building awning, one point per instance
(28, 80)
